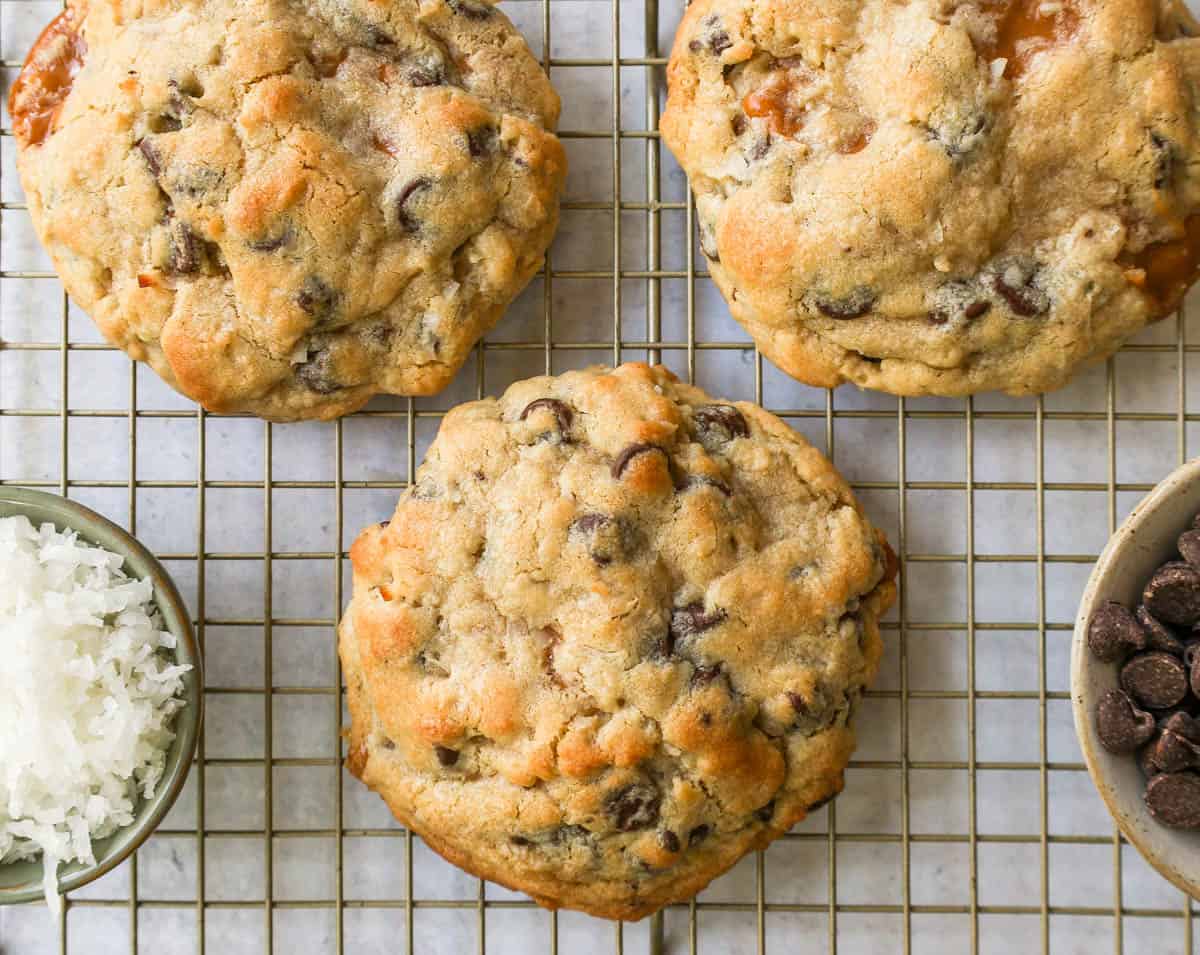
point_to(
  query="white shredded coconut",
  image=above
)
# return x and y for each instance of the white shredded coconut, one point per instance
(86, 699)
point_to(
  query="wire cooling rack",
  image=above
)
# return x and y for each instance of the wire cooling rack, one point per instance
(968, 823)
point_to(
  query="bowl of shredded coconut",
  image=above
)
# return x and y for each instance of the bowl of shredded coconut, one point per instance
(101, 695)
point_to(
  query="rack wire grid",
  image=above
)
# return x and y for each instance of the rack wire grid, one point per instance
(968, 823)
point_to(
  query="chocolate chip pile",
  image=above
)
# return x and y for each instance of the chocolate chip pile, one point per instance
(1154, 712)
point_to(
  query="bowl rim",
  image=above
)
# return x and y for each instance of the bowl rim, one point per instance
(1166, 489)
(97, 529)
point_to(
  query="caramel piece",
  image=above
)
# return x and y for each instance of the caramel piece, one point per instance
(770, 102)
(1166, 270)
(45, 80)
(1022, 29)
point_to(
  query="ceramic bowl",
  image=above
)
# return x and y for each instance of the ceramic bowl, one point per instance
(1143, 542)
(22, 881)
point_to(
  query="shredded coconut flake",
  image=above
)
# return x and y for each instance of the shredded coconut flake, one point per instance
(83, 678)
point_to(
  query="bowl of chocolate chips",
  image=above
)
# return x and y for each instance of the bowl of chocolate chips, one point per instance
(1135, 677)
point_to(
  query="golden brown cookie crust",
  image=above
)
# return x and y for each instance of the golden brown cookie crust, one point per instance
(611, 639)
(941, 197)
(283, 208)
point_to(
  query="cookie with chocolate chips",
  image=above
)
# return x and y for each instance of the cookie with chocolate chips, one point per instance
(288, 208)
(943, 196)
(613, 638)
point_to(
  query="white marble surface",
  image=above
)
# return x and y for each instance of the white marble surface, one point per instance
(865, 879)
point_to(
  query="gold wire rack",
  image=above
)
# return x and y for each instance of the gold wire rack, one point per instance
(959, 914)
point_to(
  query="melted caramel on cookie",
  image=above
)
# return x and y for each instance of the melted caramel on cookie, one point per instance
(770, 102)
(1166, 270)
(45, 80)
(1022, 29)
(858, 142)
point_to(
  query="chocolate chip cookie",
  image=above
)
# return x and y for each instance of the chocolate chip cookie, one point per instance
(287, 208)
(612, 638)
(943, 196)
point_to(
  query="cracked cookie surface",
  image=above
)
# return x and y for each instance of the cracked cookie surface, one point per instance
(612, 638)
(286, 208)
(941, 197)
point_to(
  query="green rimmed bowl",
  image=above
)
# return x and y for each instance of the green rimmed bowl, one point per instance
(22, 881)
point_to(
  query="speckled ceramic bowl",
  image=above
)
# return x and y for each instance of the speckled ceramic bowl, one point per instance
(1145, 540)
(22, 881)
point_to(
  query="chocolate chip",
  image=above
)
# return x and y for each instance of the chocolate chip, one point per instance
(446, 756)
(1121, 726)
(631, 452)
(568, 834)
(857, 303)
(1114, 633)
(668, 840)
(1174, 800)
(470, 9)
(187, 86)
(481, 141)
(958, 300)
(1189, 547)
(150, 154)
(560, 410)
(1155, 679)
(704, 675)
(634, 806)
(405, 219)
(1186, 726)
(1145, 760)
(384, 524)
(1163, 160)
(187, 250)
(1174, 753)
(1173, 594)
(318, 374)
(519, 841)
(716, 425)
(589, 523)
(1158, 634)
(698, 834)
(700, 480)
(377, 37)
(1014, 281)
(608, 538)
(1194, 669)
(421, 76)
(738, 124)
(764, 813)
(165, 123)
(317, 299)
(271, 243)
(716, 39)
(688, 621)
